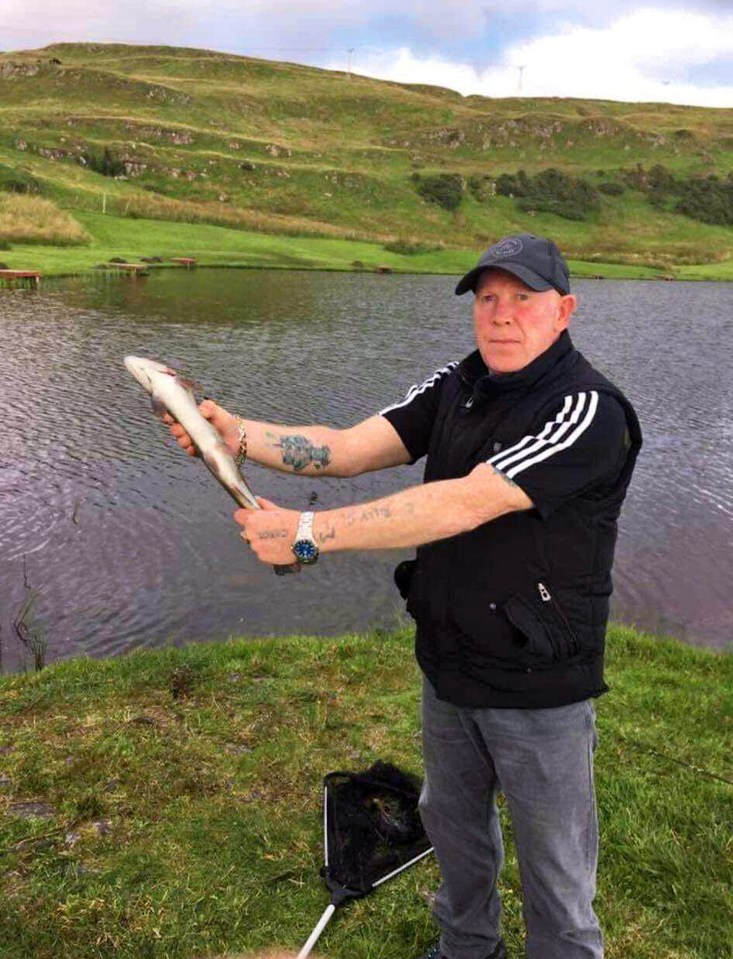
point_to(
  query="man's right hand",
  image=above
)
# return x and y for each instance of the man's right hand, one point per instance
(220, 419)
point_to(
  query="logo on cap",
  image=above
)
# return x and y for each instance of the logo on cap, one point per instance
(505, 249)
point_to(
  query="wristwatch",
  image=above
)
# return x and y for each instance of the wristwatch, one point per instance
(304, 547)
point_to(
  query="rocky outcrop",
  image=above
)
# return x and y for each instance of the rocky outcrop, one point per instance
(13, 69)
(179, 137)
(275, 151)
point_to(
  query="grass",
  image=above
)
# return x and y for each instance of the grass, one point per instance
(30, 219)
(183, 791)
(277, 148)
(222, 247)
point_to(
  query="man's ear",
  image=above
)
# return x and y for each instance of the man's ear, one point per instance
(567, 306)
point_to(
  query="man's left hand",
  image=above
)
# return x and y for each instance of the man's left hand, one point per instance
(270, 531)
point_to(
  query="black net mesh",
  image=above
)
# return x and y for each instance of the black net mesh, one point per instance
(373, 824)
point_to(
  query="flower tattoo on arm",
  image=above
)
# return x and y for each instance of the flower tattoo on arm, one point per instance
(299, 452)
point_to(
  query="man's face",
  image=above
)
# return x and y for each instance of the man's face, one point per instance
(514, 324)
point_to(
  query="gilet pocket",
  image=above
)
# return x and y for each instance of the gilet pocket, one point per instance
(536, 614)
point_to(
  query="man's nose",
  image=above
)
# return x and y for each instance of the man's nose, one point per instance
(502, 313)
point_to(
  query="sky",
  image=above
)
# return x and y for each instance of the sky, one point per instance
(676, 51)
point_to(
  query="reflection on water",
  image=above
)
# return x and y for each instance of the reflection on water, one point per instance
(131, 543)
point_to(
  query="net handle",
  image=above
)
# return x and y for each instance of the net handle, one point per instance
(315, 935)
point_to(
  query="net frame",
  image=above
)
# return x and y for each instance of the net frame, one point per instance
(340, 890)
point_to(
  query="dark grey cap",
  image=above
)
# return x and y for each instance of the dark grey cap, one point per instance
(535, 260)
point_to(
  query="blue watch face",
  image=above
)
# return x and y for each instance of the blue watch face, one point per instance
(306, 551)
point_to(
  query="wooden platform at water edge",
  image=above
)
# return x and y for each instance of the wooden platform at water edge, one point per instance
(11, 278)
(132, 269)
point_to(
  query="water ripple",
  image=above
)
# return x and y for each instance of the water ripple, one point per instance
(131, 543)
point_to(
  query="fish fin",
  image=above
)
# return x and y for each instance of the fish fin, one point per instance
(159, 407)
(191, 385)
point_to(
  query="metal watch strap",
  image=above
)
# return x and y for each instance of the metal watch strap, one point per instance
(305, 526)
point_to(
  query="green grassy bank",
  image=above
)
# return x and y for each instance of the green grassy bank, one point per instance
(224, 247)
(180, 790)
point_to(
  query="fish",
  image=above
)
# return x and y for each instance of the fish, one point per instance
(172, 393)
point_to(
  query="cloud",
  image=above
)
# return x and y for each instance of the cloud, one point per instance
(307, 23)
(649, 55)
(606, 49)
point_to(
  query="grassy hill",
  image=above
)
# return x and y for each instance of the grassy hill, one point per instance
(192, 136)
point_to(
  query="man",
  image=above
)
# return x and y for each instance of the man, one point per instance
(529, 455)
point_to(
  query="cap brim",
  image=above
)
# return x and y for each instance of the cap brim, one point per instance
(531, 279)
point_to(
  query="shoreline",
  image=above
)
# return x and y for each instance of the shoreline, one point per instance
(222, 247)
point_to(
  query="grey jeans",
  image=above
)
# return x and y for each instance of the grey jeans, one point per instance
(542, 760)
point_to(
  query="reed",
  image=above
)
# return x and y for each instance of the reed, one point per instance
(151, 207)
(33, 219)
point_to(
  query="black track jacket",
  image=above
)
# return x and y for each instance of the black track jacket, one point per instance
(514, 613)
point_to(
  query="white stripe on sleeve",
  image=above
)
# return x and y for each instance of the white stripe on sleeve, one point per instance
(416, 390)
(560, 433)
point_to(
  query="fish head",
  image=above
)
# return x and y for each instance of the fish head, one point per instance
(143, 369)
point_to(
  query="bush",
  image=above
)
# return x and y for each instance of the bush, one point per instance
(408, 247)
(657, 199)
(107, 164)
(612, 188)
(636, 179)
(444, 189)
(482, 187)
(519, 184)
(505, 185)
(550, 191)
(17, 181)
(661, 180)
(658, 179)
(709, 200)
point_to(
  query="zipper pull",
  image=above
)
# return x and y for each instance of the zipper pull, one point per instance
(544, 592)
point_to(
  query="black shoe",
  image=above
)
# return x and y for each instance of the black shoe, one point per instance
(435, 953)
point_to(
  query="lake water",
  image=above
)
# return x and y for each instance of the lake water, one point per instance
(131, 543)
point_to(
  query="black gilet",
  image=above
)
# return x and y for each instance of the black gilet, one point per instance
(513, 614)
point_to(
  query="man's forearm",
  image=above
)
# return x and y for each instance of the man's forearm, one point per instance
(308, 450)
(420, 514)
(372, 444)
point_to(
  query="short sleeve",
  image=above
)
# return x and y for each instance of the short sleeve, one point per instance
(413, 416)
(580, 447)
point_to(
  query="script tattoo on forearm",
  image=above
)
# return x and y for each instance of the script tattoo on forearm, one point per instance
(367, 513)
(273, 534)
(505, 478)
(326, 535)
(299, 452)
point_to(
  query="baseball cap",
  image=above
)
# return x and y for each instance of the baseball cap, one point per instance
(535, 260)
